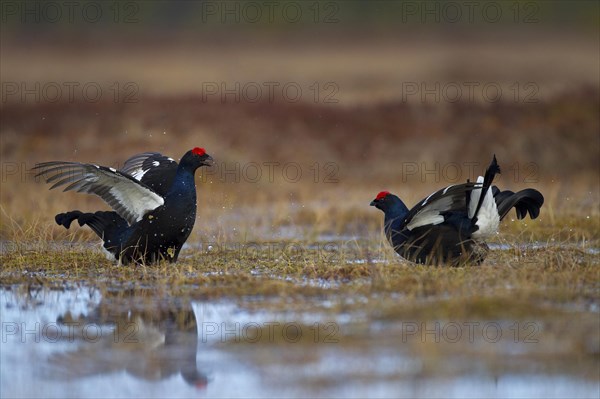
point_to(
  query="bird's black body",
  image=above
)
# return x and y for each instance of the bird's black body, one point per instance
(448, 226)
(154, 200)
(447, 242)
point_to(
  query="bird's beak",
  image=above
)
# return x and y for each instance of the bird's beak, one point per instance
(208, 161)
(373, 203)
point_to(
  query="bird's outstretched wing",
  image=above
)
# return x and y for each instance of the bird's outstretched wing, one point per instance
(431, 210)
(130, 198)
(152, 169)
(466, 198)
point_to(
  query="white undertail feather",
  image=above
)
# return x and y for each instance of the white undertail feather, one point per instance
(488, 218)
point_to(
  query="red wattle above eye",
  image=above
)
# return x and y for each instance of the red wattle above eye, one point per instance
(199, 151)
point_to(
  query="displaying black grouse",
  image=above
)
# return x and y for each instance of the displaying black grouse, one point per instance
(449, 225)
(153, 197)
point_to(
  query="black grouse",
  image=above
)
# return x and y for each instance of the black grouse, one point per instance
(153, 197)
(449, 226)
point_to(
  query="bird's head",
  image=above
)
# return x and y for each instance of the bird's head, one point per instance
(385, 201)
(196, 158)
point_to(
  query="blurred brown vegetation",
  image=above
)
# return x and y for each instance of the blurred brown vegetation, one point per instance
(371, 144)
(369, 139)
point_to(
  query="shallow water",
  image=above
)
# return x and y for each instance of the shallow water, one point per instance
(82, 343)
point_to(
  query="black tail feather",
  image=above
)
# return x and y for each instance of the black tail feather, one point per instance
(525, 201)
(106, 224)
(490, 172)
(65, 219)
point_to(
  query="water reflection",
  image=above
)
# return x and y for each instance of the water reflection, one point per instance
(151, 340)
(83, 343)
(72, 342)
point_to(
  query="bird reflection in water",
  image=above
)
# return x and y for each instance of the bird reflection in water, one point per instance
(150, 340)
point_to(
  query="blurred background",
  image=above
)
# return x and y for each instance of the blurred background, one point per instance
(309, 108)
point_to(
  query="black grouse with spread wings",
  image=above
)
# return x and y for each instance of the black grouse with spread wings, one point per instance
(153, 198)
